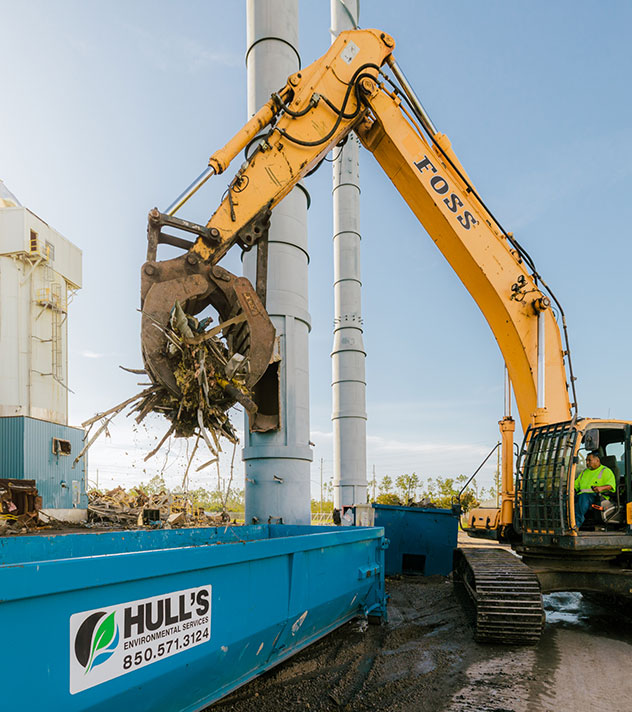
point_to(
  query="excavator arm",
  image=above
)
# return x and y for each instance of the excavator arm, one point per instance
(295, 130)
(350, 89)
(435, 186)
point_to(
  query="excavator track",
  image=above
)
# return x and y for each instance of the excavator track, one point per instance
(505, 593)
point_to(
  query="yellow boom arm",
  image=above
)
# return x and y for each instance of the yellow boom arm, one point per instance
(345, 90)
(435, 186)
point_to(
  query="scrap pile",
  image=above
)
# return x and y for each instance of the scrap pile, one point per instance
(120, 508)
(19, 503)
(210, 381)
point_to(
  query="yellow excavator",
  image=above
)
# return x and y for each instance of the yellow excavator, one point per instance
(358, 86)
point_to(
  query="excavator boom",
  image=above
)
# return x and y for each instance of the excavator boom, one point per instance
(295, 130)
(348, 89)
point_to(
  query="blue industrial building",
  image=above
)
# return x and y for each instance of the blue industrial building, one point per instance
(32, 449)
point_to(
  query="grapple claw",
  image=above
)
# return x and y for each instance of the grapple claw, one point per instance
(196, 285)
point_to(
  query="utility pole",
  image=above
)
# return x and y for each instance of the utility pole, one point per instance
(320, 508)
(374, 483)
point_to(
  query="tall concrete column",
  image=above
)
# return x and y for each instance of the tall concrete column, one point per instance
(277, 463)
(348, 355)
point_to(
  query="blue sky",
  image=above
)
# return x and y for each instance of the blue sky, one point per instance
(107, 109)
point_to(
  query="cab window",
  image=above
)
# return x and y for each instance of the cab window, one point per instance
(612, 447)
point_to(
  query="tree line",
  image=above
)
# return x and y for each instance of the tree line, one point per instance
(433, 491)
(404, 490)
(401, 490)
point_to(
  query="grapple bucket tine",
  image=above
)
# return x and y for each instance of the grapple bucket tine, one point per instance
(196, 285)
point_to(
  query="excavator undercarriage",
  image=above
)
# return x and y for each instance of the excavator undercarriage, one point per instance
(504, 594)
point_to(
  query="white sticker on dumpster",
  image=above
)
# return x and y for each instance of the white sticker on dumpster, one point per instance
(111, 641)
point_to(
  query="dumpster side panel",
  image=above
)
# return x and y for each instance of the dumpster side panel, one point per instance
(269, 598)
(65, 546)
(421, 540)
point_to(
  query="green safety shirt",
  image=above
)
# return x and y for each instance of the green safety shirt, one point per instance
(601, 476)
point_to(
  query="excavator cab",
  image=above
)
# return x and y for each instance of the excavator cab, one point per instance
(552, 457)
(612, 443)
(554, 555)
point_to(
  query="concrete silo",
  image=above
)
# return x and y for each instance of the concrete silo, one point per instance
(277, 462)
(40, 270)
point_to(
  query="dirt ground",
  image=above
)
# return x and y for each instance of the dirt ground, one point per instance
(424, 658)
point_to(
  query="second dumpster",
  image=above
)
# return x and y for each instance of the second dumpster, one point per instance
(421, 539)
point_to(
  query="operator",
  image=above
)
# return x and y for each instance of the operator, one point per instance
(595, 480)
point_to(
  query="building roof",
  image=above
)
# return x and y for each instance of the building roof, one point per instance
(7, 199)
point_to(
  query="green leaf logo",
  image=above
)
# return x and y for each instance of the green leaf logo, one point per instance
(103, 636)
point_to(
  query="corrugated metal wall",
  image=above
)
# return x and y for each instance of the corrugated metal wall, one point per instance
(12, 447)
(26, 452)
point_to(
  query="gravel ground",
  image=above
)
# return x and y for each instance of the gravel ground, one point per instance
(424, 658)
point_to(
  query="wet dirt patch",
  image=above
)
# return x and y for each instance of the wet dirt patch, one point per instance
(425, 660)
(413, 662)
(584, 656)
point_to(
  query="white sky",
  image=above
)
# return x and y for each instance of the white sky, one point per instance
(107, 109)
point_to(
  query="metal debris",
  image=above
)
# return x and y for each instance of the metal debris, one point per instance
(19, 503)
(132, 509)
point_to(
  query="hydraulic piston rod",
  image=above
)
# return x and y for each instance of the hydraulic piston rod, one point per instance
(191, 190)
(421, 113)
(541, 361)
(220, 160)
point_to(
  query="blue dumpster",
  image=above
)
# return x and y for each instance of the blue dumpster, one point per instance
(421, 539)
(163, 621)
